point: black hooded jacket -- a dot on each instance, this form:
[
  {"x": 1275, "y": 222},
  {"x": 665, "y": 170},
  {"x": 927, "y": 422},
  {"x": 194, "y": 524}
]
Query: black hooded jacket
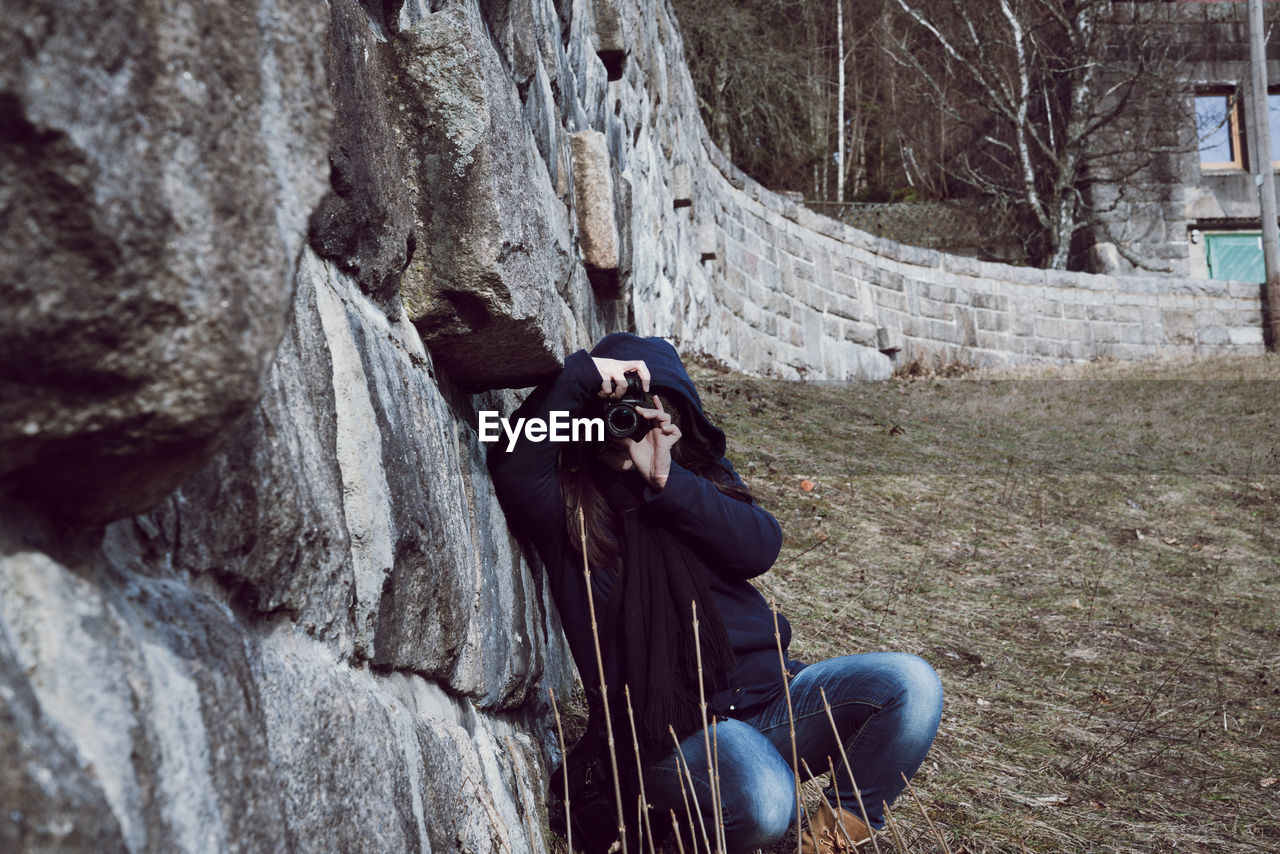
[{"x": 736, "y": 540}]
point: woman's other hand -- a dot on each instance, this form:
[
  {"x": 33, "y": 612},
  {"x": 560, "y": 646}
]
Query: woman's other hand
[
  {"x": 613, "y": 376},
  {"x": 652, "y": 454}
]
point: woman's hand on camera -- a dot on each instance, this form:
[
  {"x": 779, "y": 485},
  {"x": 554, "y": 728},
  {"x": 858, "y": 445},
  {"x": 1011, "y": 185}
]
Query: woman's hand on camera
[
  {"x": 613, "y": 376},
  {"x": 652, "y": 454}
]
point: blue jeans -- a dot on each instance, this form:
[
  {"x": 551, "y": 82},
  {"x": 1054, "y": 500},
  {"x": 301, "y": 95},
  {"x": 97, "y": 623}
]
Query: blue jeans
[{"x": 886, "y": 707}]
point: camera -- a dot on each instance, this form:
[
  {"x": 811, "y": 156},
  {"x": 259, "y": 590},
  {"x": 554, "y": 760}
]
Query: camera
[{"x": 621, "y": 420}]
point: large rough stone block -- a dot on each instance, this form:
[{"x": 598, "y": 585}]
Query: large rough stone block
[
  {"x": 682, "y": 185},
  {"x": 888, "y": 339},
  {"x": 51, "y": 800},
  {"x": 610, "y": 40},
  {"x": 347, "y": 501},
  {"x": 341, "y": 754},
  {"x": 484, "y": 284},
  {"x": 156, "y": 189},
  {"x": 436, "y": 585},
  {"x": 1179, "y": 326},
  {"x": 265, "y": 516},
  {"x": 595, "y": 204},
  {"x": 149, "y": 683},
  {"x": 708, "y": 240},
  {"x": 365, "y": 221},
  {"x": 527, "y": 34},
  {"x": 140, "y": 713},
  {"x": 1247, "y": 337}
]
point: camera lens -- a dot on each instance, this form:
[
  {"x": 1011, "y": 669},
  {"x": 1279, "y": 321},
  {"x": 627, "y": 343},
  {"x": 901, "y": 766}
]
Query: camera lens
[{"x": 621, "y": 421}]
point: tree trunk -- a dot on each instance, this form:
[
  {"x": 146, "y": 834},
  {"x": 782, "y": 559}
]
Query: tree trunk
[{"x": 722, "y": 113}]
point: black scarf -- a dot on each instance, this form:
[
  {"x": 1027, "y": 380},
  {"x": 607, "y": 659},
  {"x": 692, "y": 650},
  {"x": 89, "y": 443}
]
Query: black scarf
[{"x": 659, "y": 577}]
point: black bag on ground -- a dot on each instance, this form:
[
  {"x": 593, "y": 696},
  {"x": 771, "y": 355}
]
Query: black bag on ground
[{"x": 591, "y": 806}]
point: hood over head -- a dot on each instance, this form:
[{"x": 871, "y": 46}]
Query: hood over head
[{"x": 666, "y": 372}]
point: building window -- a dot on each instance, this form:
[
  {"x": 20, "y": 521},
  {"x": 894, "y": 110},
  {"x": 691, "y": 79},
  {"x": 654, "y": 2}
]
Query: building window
[{"x": 1218, "y": 126}]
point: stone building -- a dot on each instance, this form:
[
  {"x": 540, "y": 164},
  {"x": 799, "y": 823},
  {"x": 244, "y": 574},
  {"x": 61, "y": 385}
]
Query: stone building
[{"x": 1195, "y": 212}]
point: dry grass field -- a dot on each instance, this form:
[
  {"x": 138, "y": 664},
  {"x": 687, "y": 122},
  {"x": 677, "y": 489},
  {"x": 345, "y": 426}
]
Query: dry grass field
[{"x": 1088, "y": 556}]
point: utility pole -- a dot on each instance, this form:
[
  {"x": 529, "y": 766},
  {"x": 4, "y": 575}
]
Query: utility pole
[
  {"x": 840, "y": 97},
  {"x": 1266, "y": 183}
]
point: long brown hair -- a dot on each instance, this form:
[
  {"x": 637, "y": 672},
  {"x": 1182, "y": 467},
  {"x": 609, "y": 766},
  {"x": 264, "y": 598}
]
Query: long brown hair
[{"x": 579, "y": 464}]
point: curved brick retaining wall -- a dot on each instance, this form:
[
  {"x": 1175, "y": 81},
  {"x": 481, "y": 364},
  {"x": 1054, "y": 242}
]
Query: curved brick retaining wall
[{"x": 799, "y": 294}]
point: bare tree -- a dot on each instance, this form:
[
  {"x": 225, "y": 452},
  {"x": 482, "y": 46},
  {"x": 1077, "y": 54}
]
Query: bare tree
[
  {"x": 769, "y": 78},
  {"x": 753, "y": 66},
  {"x": 1043, "y": 96}
]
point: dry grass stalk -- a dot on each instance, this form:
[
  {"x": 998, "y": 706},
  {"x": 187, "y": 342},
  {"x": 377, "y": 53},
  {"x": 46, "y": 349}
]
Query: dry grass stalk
[
  {"x": 688, "y": 810},
  {"x": 675, "y": 828},
  {"x": 831, "y": 767},
  {"x": 564, "y": 765},
  {"x": 932, "y": 827},
  {"x": 693, "y": 795},
  {"x": 1127, "y": 731},
  {"x": 494, "y": 818},
  {"x": 840, "y": 824},
  {"x": 898, "y": 841},
  {"x": 715, "y": 777},
  {"x": 640, "y": 823},
  {"x": 604, "y": 689},
  {"x": 706, "y": 736},
  {"x": 635, "y": 741},
  {"x": 518, "y": 775},
  {"x": 791, "y": 719},
  {"x": 845, "y": 757}
]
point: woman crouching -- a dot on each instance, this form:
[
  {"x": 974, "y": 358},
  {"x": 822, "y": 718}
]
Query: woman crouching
[{"x": 671, "y": 531}]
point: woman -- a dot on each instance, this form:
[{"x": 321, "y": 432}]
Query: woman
[{"x": 668, "y": 526}]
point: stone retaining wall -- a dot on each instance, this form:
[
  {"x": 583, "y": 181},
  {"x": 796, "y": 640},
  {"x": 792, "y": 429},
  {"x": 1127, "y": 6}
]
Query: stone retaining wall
[
  {"x": 726, "y": 267},
  {"x": 794, "y": 289}
]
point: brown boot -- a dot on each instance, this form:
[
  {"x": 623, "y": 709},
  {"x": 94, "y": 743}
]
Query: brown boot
[{"x": 825, "y": 837}]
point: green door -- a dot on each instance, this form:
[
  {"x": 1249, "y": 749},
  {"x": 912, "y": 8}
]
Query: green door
[{"x": 1236, "y": 256}]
